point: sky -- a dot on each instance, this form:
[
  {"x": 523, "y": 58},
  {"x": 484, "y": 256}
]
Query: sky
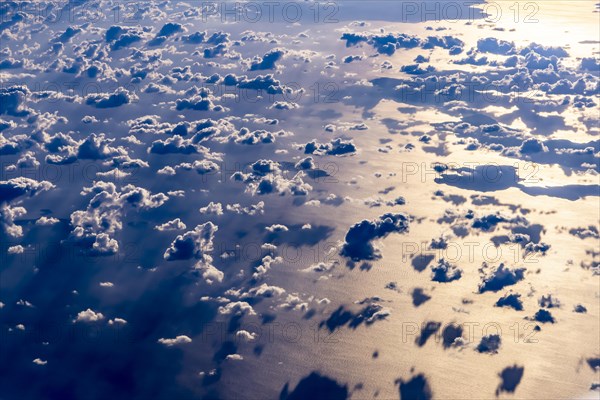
[{"x": 299, "y": 199}]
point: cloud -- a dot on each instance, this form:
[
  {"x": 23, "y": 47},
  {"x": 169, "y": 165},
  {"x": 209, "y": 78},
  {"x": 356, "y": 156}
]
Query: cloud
[
  {"x": 96, "y": 147},
  {"x": 266, "y": 177},
  {"x": 496, "y": 46},
  {"x": 336, "y": 147},
  {"x": 253, "y": 209},
  {"x": 268, "y": 60},
  {"x": 119, "y": 97},
  {"x": 89, "y": 316},
  {"x": 173, "y": 225},
  {"x": 14, "y": 190},
  {"x": 12, "y": 99},
  {"x": 170, "y": 29},
  {"x": 512, "y": 300},
  {"x": 119, "y": 37},
  {"x": 419, "y": 297},
  {"x": 237, "y": 308},
  {"x": 265, "y": 290},
  {"x": 202, "y": 167},
  {"x": 358, "y": 246},
  {"x": 245, "y": 335},
  {"x": 388, "y": 43},
  {"x": 549, "y": 301},
  {"x": 321, "y": 267},
  {"x": 212, "y": 209},
  {"x": 445, "y": 272},
  {"x": 532, "y": 145},
  {"x": 181, "y": 339},
  {"x": 18, "y": 249},
  {"x": 265, "y": 265},
  {"x": 259, "y": 136},
  {"x": 590, "y": 231},
  {"x": 489, "y": 344},
  {"x": 173, "y": 145},
  {"x": 543, "y": 316},
  {"x": 277, "y": 228},
  {"x": 209, "y": 272},
  {"x": 93, "y": 226},
  {"x": 201, "y": 100},
  {"x": 192, "y": 244},
  {"x": 371, "y": 312},
  {"x": 496, "y": 278},
  {"x": 22, "y": 187},
  {"x": 194, "y": 38}
]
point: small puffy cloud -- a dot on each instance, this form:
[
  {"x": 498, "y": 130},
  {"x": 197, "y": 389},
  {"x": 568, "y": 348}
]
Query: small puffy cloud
[
  {"x": 104, "y": 245},
  {"x": 237, "y": 308},
  {"x": 512, "y": 300},
  {"x": 585, "y": 232},
  {"x": 194, "y": 38},
  {"x": 549, "y": 301},
  {"x": 532, "y": 145},
  {"x": 118, "y": 98},
  {"x": 358, "y": 241},
  {"x": 167, "y": 170},
  {"x": 18, "y": 249},
  {"x": 173, "y": 145},
  {"x": 305, "y": 163},
  {"x": 202, "y": 167},
  {"x": 267, "y": 177},
  {"x": 444, "y": 272},
  {"x": 277, "y": 228},
  {"x": 46, "y": 221},
  {"x": 265, "y": 290},
  {"x": 245, "y": 335},
  {"x": 89, "y": 315},
  {"x": 8, "y": 216},
  {"x": 495, "y": 278},
  {"x": 489, "y": 344},
  {"x": 254, "y": 209},
  {"x": 284, "y": 105},
  {"x": 336, "y": 147},
  {"x": 173, "y": 225},
  {"x": 181, "y": 339},
  {"x": 495, "y": 46},
  {"x": 212, "y": 209},
  {"x": 192, "y": 244},
  {"x": 267, "y": 61},
  {"x": 321, "y": 267},
  {"x": 265, "y": 265}
]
